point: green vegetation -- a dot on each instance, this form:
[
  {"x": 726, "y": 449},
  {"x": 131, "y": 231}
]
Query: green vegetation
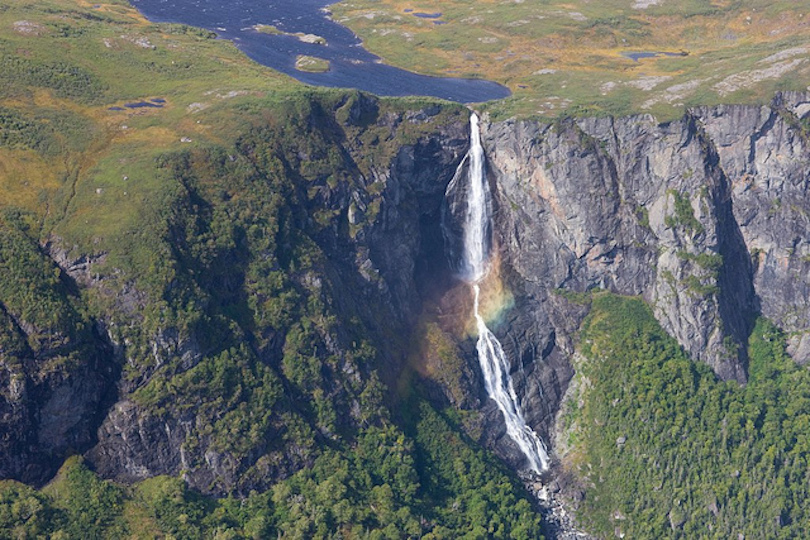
[
  {"x": 670, "y": 451},
  {"x": 50, "y": 132},
  {"x": 75, "y": 505},
  {"x": 566, "y": 57},
  {"x": 34, "y": 293},
  {"x": 268, "y": 29},
  {"x": 275, "y": 31},
  {"x": 65, "y": 63},
  {"x": 707, "y": 261},
  {"x": 311, "y": 64},
  {"x": 388, "y": 485},
  {"x": 65, "y": 80},
  {"x": 215, "y": 256},
  {"x": 226, "y": 260},
  {"x": 210, "y": 252},
  {"x": 471, "y": 494},
  {"x": 684, "y": 214},
  {"x": 697, "y": 287}
]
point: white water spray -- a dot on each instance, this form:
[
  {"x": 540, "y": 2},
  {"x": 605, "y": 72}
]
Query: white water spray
[
  {"x": 477, "y": 216},
  {"x": 494, "y": 364}
]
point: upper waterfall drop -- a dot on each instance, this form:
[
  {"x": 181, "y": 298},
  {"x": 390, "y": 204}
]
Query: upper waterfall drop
[
  {"x": 476, "y": 225},
  {"x": 474, "y": 267}
]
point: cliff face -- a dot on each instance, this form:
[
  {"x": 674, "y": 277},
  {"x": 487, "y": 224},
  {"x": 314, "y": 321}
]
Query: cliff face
[
  {"x": 706, "y": 218},
  {"x": 289, "y": 276},
  {"x": 764, "y": 154},
  {"x": 56, "y": 370},
  {"x": 307, "y": 264}
]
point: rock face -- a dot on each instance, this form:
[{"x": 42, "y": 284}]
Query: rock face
[
  {"x": 57, "y": 370},
  {"x": 706, "y": 218},
  {"x": 764, "y": 154},
  {"x": 46, "y": 415}
]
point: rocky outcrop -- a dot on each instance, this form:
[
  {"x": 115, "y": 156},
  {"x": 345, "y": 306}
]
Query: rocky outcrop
[
  {"x": 48, "y": 414},
  {"x": 765, "y": 154},
  {"x": 57, "y": 370}
]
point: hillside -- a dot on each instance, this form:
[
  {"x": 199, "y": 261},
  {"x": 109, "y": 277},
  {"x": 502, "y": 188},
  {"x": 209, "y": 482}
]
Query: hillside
[{"x": 185, "y": 304}]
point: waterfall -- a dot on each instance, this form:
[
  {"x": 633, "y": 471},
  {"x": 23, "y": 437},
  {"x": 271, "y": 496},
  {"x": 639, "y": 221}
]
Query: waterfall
[
  {"x": 476, "y": 222},
  {"x": 474, "y": 262},
  {"x": 495, "y": 368}
]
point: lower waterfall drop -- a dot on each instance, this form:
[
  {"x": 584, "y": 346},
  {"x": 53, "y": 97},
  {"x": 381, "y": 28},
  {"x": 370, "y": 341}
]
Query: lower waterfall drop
[{"x": 491, "y": 357}]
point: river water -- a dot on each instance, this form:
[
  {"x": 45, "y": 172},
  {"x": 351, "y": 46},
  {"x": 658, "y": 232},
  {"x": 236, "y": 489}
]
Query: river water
[{"x": 351, "y": 66}]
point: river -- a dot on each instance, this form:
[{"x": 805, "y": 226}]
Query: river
[{"x": 351, "y": 65}]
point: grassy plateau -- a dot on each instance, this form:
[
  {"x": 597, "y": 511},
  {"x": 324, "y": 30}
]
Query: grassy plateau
[
  {"x": 572, "y": 56},
  {"x": 74, "y": 150}
]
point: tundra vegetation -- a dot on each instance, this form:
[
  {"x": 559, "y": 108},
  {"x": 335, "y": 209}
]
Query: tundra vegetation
[{"x": 572, "y": 57}]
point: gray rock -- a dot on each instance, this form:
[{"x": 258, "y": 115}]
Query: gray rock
[{"x": 707, "y": 218}]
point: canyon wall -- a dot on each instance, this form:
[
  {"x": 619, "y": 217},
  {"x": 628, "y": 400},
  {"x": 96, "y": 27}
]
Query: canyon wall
[{"x": 707, "y": 218}]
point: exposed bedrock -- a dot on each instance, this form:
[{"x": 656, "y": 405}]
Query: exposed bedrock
[{"x": 707, "y": 218}]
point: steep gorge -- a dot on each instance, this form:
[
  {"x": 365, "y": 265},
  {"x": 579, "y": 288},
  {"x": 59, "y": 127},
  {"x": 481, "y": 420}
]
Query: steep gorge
[{"x": 300, "y": 283}]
